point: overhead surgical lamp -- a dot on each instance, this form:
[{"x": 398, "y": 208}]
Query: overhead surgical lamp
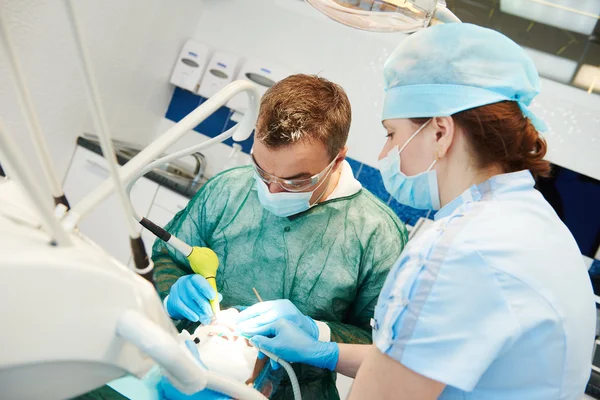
[{"x": 386, "y": 15}]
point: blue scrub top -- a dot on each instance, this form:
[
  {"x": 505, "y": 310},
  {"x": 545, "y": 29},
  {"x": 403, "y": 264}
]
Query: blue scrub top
[{"x": 494, "y": 300}]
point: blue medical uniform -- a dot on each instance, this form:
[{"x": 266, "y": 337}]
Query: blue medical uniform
[{"x": 494, "y": 300}]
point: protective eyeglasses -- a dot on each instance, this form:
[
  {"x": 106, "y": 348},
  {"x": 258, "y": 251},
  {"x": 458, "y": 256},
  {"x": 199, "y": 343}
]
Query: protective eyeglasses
[{"x": 291, "y": 185}]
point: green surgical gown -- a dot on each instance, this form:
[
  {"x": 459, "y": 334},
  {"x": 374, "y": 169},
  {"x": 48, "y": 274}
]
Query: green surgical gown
[{"x": 330, "y": 261}]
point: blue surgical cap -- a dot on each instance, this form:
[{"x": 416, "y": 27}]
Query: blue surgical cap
[{"x": 449, "y": 68}]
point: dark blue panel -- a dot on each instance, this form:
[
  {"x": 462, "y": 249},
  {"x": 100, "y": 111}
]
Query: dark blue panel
[
  {"x": 408, "y": 215},
  {"x": 246, "y": 144},
  {"x": 355, "y": 165},
  {"x": 184, "y": 102},
  {"x": 595, "y": 277},
  {"x": 215, "y": 124},
  {"x": 595, "y": 268},
  {"x": 578, "y": 208},
  {"x": 371, "y": 180}
]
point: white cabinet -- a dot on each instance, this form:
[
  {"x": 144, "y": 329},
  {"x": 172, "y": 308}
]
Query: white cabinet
[
  {"x": 170, "y": 201},
  {"x": 106, "y": 223}
]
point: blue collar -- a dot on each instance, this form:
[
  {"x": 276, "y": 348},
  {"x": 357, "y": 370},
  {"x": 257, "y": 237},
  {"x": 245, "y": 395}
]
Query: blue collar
[{"x": 496, "y": 185}]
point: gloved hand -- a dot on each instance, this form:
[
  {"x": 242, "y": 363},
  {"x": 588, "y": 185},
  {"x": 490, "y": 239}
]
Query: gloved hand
[
  {"x": 267, "y": 312},
  {"x": 170, "y": 392},
  {"x": 189, "y": 299},
  {"x": 292, "y": 344}
]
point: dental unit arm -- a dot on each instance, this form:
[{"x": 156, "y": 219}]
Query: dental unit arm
[
  {"x": 203, "y": 261},
  {"x": 77, "y": 318}
]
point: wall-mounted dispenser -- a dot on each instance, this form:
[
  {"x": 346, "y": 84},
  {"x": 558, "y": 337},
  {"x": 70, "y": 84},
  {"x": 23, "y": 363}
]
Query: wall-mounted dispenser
[
  {"x": 190, "y": 65},
  {"x": 263, "y": 74},
  {"x": 219, "y": 72}
]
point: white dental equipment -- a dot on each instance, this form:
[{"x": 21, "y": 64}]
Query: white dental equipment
[{"x": 73, "y": 317}]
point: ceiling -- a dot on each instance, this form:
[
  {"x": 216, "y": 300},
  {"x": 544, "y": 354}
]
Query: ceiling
[{"x": 560, "y": 52}]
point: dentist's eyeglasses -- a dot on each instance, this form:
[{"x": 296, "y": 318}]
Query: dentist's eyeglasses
[{"x": 292, "y": 185}]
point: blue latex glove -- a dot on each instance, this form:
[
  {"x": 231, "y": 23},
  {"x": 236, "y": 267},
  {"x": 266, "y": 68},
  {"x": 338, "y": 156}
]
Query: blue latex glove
[
  {"x": 267, "y": 312},
  {"x": 287, "y": 341},
  {"x": 169, "y": 392},
  {"x": 189, "y": 299}
]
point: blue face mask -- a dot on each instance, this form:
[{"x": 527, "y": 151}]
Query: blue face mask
[
  {"x": 285, "y": 204},
  {"x": 417, "y": 191}
]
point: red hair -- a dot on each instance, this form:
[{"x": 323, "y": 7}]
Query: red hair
[{"x": 499, "y": 134}]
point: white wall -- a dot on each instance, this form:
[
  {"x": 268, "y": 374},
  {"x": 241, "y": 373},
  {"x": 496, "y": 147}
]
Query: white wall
[
  {"x": 133, "y": 45},
  {"x": 291, "y": 33}
]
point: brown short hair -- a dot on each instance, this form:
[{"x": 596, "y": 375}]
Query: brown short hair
[
  {"x": 304, "y": 107},
  {"x": 499, "y": 134}
]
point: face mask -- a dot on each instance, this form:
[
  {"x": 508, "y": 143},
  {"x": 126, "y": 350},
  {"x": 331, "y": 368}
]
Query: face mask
[
  {"x": 417, "y": 191},
  {"x": 284, "y": 204}
]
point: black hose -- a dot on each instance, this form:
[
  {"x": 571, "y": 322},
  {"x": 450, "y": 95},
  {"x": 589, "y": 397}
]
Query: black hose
[
  {"x": 140, "y": 257},
  {"x": 62, "y": 200}
]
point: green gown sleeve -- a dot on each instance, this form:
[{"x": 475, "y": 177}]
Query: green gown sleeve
[{"x": 382, "y": 252}]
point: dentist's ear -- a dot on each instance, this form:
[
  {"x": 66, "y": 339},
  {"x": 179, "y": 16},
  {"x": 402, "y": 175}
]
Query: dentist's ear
[
  {"x": 340, "y": 158},
  {"x": 445, "y": 132}
]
